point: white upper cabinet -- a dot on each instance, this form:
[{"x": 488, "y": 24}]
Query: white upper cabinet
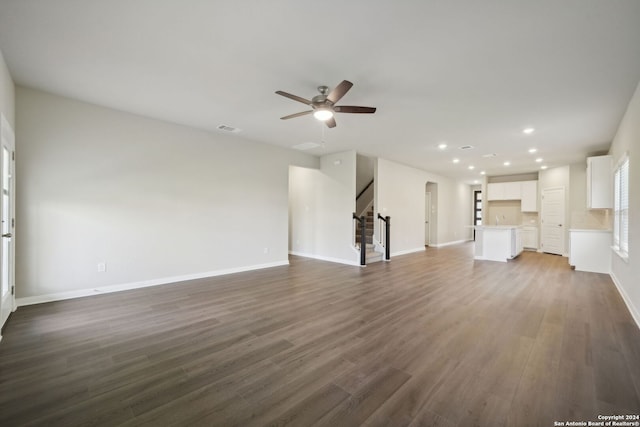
[
  {"x": 512, "y": 191},
  {"x": 504, "y": 191},
  {"x": 525, "y": 191},
  {"x": 495, "y": 191},
  {"x": 529, "y": 201},
  {"x": 599, "y": 182}
]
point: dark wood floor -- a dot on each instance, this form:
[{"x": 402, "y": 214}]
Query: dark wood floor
[{"x": 429, "y": 339}]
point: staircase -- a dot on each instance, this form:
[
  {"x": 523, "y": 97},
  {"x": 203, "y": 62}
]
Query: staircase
[{"x": 372, "y": 254}]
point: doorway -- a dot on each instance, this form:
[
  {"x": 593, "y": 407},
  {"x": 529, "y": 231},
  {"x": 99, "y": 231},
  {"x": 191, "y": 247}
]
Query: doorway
[
  {"x": 431, "y": 214},
  {"x": 7, "y": 160},
  {"x": 427, "y": 218},
  {"x": 552, "y": 236}
]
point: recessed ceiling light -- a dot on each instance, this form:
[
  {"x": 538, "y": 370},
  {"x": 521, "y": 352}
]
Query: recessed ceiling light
[
  {"x": 533, "y": 150},
  {"x": 483, "y": 173},
  {"x": 471, "y": 167},
  {"x": 476, "y": 181},
  {"x": 442, "y": 146},
  {"x": 543, "y": 167},
  {"x": 506, "y": 163},
  {"x": 456, "y": 160},
  {"x": 539, "y": 160},
  {"x": 528, "y": 131}
]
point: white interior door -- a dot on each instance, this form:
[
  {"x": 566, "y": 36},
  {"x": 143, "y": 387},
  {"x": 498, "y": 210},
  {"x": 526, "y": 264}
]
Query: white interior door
[
  {"x": 427, "y": 219},
  {"x": 7, "y": 156},
  {"x": 552, "y": 237}
]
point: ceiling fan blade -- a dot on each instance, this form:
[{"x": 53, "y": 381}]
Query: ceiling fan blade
[
  {"x": 294, "y": 97},
  {"x": 331, "y": 123},
  {"x": 354, "y": 109},
  {"x": 291, "y": 116},
  {"x": 339, "y": 91}
]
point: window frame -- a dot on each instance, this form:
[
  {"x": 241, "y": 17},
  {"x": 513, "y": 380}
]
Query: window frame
[{"x": 621, "y": 208}]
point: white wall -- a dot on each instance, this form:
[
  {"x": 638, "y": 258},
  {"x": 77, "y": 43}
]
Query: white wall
[
  {"x": 154, "y": 200},
  {"x": 364, "y": 171},
  {"x": 364, "y": 175},
  {"x": 321, "y": 204},
  {"x": 7, "y": 93},
  {"x": 400, "y": 193},
  {"x": 627, "y": 140}
]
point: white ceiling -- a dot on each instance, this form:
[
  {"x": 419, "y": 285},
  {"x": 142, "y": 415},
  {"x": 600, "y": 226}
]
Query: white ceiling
[{"x": 465, "y": 72}]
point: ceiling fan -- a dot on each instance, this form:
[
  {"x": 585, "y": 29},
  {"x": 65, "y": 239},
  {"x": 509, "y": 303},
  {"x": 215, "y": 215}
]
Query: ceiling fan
[{"x": 323, "y": 105}]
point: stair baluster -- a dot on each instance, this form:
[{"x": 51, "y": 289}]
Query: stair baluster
[{"x": 363, "y": 238}]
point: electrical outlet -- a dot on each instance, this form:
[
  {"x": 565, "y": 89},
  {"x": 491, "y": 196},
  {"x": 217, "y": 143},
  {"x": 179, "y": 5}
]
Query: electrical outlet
[
  {"x": 266, "y": 250},
  {"x": 102, "y": 267}
]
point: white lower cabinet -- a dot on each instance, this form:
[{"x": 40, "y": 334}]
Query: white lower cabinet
[
  {"x": 498, "y": 243},
  {"x": 590, "y": 250},
  {"x": 530, "y": 237}
]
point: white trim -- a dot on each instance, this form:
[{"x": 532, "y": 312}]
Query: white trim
[
  {"x": 326, "y": 258},
  {"x": 455, "y": 242},
  {"x": 39, "y": 299},
  {"x": 624, "y": 256},
  {"x": 409, "y": 251},
  {"x": 634, "y": 312},
  {"x": 377, "y": 246}
]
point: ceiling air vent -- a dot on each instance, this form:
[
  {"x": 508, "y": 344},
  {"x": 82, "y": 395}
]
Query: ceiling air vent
[
  {"x": 466, "y": 147},
  {"x": 306, "y": 146},
  {"x": 489, "y": 155},
  {"x": 228, "y": 128}
]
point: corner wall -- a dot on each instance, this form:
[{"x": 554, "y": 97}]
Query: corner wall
[
  {"x": 157, "y": 202},
  {"x": 7, "y": 93},
  {"x": 400, "y": 193},
  {"x": 321, "y": 204}
]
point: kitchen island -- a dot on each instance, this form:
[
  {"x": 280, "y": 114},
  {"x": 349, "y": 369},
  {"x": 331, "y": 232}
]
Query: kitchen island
[{"x": 497, "y": 242}]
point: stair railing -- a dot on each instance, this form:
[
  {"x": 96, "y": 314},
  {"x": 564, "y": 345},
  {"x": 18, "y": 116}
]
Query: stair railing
[
  {"x": 364, "y": 189},
  {"x": 385, "y": 239},
  {"x": 363, "y": 237}
]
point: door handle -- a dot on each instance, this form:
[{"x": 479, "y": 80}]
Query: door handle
[{"x": 8, "y": 235}]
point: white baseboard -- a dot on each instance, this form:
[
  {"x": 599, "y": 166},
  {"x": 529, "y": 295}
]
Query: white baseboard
[
  {"x": 455, "y": 242},
  {"x": 325, "y": 258},
  {"x": 632, "y": 309},
  {"x": 59, "y": 296},
  {"x": 408, "y": 251}
]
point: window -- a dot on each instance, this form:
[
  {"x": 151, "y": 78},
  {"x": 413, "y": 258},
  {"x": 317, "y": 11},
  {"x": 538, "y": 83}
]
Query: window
[
  {"x": 621, "y": 208},
  {"x": 477, "y": 210},
  {"x": 477, "y": 207}
]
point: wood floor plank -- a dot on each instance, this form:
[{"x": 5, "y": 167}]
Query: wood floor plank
[
  {"x": 359, "y": 406},
  {"x": 431, "y": 338}
]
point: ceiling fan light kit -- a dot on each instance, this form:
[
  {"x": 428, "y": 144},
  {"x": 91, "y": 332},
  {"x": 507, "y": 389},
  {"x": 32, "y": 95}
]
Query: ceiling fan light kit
[
  {"x": 323, "y": 114},
  {"x": 323, "y": 105}
]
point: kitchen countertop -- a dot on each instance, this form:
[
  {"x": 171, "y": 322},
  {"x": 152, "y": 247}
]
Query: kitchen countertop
[
  {"x": 591, "y": 230},
  {"x": 497, "y": 227}
]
